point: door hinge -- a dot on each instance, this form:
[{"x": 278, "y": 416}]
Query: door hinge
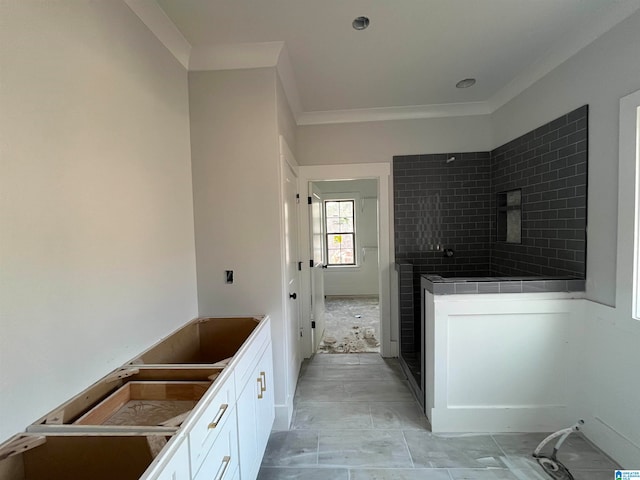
[
  {"x": 309, "y": 201},
  {"x": 313, "y": 324},
  {"x": 311, "y": 263},
  {"x": 297, "y": 198},
  {"x": 299, "y": 266}
]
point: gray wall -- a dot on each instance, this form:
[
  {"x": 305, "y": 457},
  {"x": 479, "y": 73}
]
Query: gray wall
[{"x": 97, "y": 257}]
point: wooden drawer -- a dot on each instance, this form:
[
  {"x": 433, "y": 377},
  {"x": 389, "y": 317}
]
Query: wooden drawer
[
  {"x": 203, "y": 341},
  {"x": 72, "y": 415},
  {"x": 205, "y": 426},
  {"x": 221, "y": 461},
  {"x": 98, "y": 457}
]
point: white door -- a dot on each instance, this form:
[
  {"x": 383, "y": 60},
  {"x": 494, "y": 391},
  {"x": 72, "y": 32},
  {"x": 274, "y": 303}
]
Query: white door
[
  {"x": 319, "y": 263},
  {"x": 293, "y": 329}
]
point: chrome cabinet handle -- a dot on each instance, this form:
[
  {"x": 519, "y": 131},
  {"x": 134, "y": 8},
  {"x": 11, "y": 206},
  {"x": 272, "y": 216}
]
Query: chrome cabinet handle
[
  {"x": 223, "y": 467},
  {"x": 264, "y": 381},
  {"x": 260, "y": 387},
  {"x": 218, "y": 417}
]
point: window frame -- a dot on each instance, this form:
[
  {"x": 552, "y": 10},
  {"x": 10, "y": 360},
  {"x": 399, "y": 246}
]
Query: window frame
[{"x": 340, "y": 199}]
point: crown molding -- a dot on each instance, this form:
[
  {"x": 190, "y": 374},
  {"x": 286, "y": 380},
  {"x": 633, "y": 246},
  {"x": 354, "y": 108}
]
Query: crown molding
[
  {"x": 394, "y": 113},
  {"x": 163, "y": 28},
  {"x": 570, "y": 44},
  {"x": 274, "y": 54},
  {"x": 235, "y": 56}
]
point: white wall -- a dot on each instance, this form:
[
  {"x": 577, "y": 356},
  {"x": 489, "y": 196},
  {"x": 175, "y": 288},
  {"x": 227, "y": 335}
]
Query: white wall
[
  {"x": 234, "y": 142},
  {"x": 374, "y": 142},
  {"x": 599, "y": 75},
  {"x": 605, "y": 379},
  {"x": 363, "y": 278},
  {"x": 97, "y": 256}
]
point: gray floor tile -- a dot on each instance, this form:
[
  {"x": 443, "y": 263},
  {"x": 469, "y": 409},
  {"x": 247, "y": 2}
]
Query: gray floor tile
[
  {"x": 391, "y": 390},
  {"x": 358, "y": 373},
  {"x": 398, "y": 415},
  {"x": 320, "y": 391},
  {"x": 484, "y": 474},
  {"x": 399, "y": 474},
  {"x": 370, "y": 358},
  {"x": 593, "y": 474},
  {"x": 575, "y": 453},
  {"x": 453, "y": 451},
  {"x": 331, "y": 415},
  {"x": 291, "y": 448},
  {"x": 335, "y": 359},
  {"x": 367, "y": 448},
  {"x": 270, "y": 473}
]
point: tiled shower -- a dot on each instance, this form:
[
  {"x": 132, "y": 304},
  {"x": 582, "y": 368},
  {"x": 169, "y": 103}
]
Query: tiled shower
[{"x": 447, "y": 216}]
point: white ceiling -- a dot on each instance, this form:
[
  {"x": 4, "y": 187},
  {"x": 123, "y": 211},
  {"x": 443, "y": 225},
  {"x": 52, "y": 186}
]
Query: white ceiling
[{"x": 412, "y": 54}]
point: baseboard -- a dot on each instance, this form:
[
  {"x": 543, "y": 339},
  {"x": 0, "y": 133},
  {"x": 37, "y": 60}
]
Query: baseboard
[
  {"x": 615, "y": 444},
  {"x": 498, "y": 419},
  {"x": 284, "y": 415}
]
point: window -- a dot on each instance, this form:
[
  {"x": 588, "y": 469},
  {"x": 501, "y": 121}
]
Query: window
[{"x": 340, "y": 231}]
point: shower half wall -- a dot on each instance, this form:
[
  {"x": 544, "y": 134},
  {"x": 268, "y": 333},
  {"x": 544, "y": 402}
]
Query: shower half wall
[{"x": 446, "y": 203}]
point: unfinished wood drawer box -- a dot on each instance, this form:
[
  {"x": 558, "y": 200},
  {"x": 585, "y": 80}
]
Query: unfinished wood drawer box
[
  {"x": 159, "y": 384},
  {"x": 204, "y": 341},
  {"x": 146, "y": 404},
  {"x": 95, "y": 457}
]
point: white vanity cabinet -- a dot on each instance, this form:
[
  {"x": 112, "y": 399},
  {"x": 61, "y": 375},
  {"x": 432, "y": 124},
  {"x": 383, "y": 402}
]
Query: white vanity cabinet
[{"x": 220, "y": 435}]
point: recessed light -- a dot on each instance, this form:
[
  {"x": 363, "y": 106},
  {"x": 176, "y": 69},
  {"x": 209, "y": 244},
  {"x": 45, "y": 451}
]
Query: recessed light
[
  {"x": 360, "y": 23},
  {"x": 466, "y": 83}
]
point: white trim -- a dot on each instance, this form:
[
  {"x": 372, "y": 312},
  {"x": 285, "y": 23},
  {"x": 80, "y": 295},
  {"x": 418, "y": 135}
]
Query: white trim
[
  {"x": 236, "y": 56},
  {"x": 628, "y": 284},
  {"x": 393, "y": 113},
  {"x": 381, "y": 172},
  {"x": 273, "y": 54},
  {"x": 163, "y": 28},
  {"x": 574, "y": 41}
]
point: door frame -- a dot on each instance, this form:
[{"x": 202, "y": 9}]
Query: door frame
[{"x": 386, "y": 257}]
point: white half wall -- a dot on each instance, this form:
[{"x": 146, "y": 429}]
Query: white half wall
[{"x": 97, "y": 257}]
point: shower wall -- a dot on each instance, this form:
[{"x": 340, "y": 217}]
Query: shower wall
[
  {"x": 440, "y": 205},
  {"x": 447, "y": 201}
]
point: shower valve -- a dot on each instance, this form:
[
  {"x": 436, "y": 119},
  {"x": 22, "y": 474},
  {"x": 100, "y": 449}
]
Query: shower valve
[{"x": 448, "y": 252}]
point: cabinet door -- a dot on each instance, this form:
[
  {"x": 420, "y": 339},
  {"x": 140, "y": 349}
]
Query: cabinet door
[
  {"x": 256, "y": 413},
  {"x": 265, "y": 410}
]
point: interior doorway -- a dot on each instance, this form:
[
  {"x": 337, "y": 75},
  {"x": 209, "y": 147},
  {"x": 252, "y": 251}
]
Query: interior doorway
[
  {"x": 348, "y": 237},
  {"x": 379, "y": 176}
]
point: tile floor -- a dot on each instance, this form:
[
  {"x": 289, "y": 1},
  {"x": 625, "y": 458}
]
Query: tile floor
[{"x": 355, "y": 419}]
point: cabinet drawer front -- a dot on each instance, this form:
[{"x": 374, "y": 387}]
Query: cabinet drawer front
[
  {"x": 218, "y": 413},
  {"x": 220, "y": 462},
  {"x": 250, "y": 353},
  {"x": 173, "y": 465}
]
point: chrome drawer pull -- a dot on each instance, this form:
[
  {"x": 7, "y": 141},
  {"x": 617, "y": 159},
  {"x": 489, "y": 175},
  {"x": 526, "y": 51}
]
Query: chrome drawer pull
[
  {"x": 223, "y": 467},
  {"x": 218, "y": 417},
  {"x": 264, "y": 381},
  {"x": 260, "y": 387}
]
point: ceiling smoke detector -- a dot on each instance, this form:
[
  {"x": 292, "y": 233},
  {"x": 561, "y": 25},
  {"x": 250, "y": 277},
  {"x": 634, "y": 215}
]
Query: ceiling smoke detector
[
  {"x": 360, "y": 23},
  {"x": 466, "y": 83}
]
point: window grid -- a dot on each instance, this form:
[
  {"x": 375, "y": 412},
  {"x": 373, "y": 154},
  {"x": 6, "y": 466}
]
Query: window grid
[{"x": 340, "y": 232}]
